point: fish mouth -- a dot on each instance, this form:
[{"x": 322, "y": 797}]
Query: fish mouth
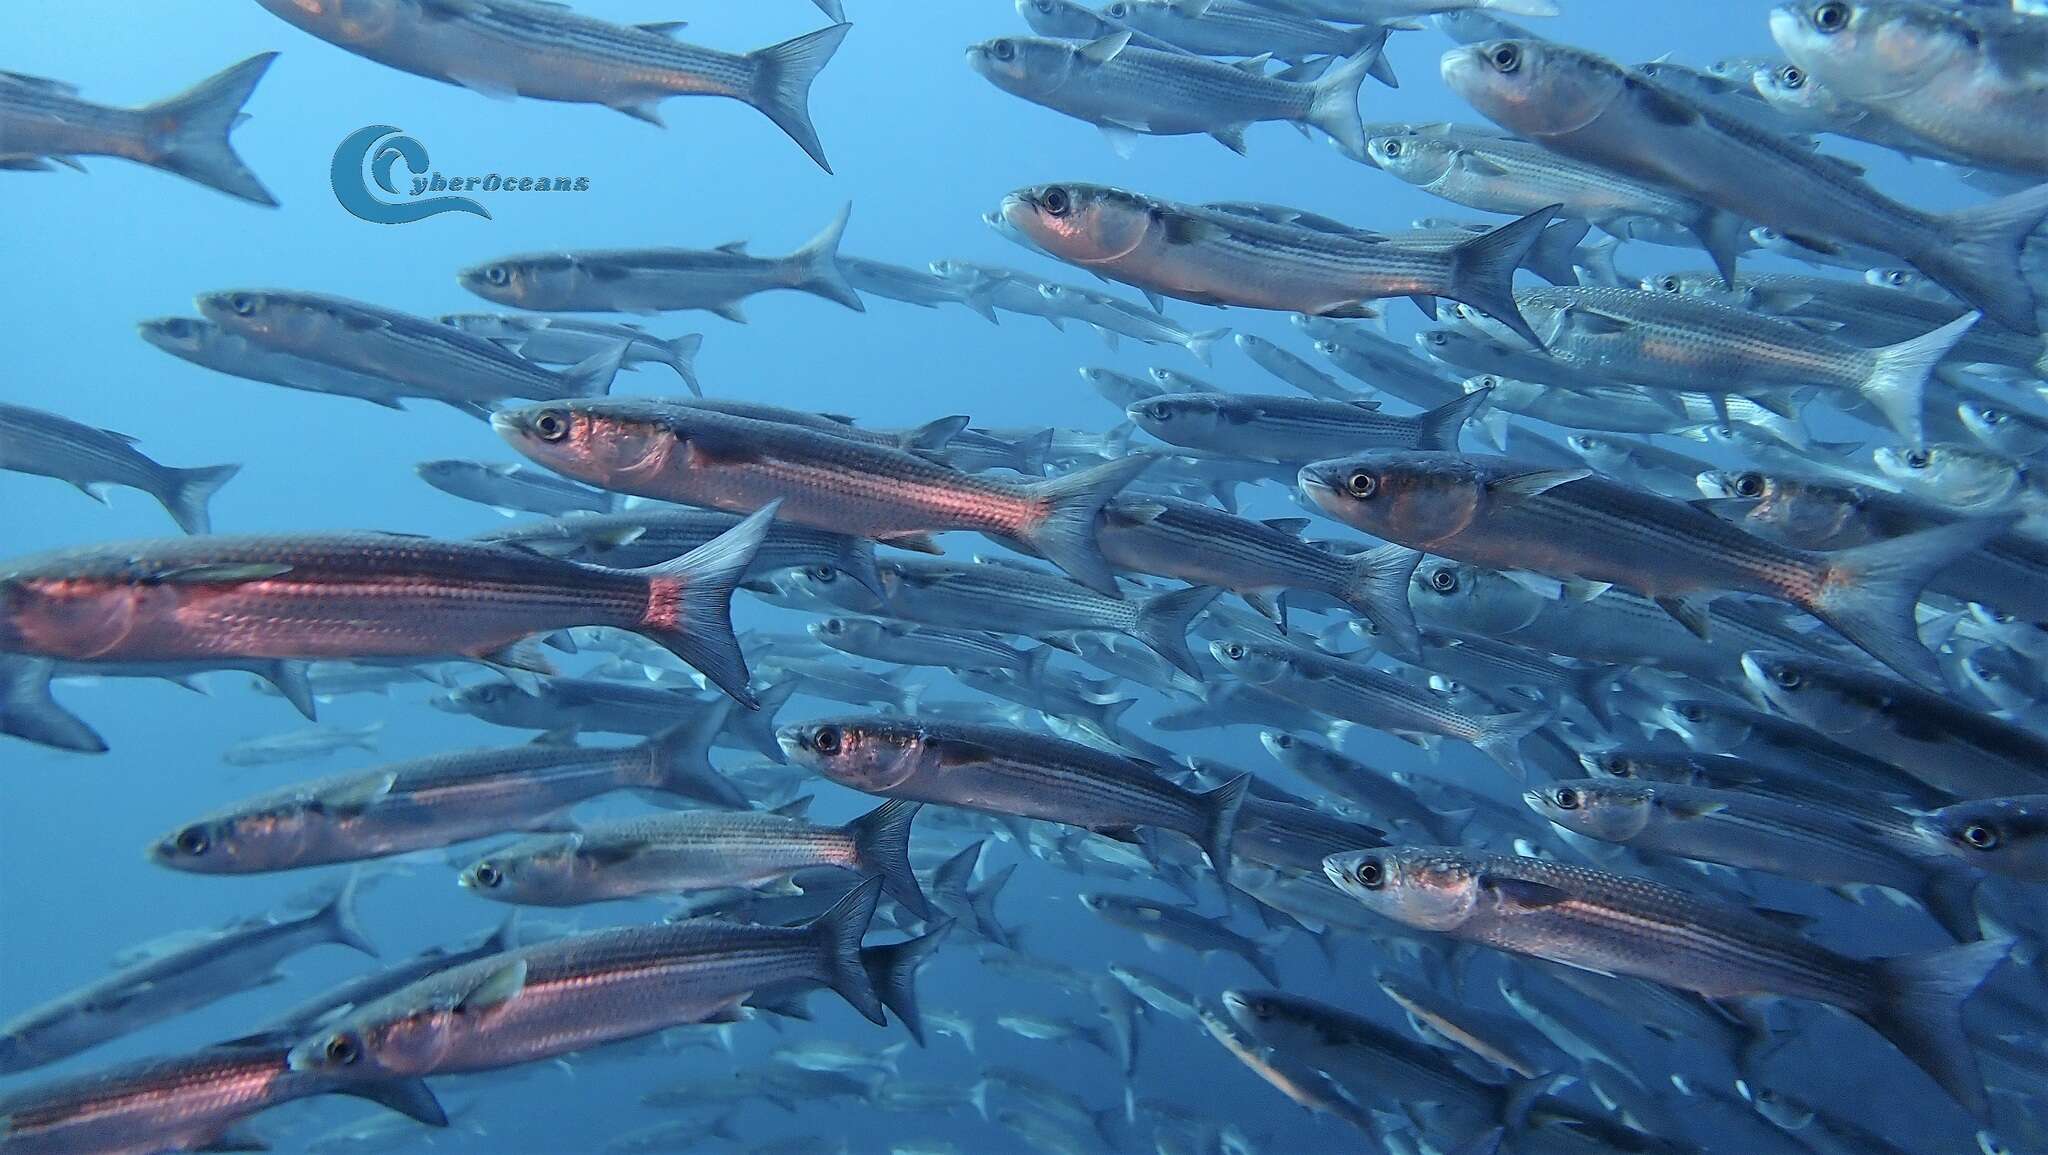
[
  {"x": 506, "y": 425},
  {"x": 1459, "y": 63}
]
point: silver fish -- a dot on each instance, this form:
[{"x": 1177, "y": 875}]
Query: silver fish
[{"x": 96, "y": 460}]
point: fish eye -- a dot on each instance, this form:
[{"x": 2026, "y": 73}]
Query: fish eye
[
  {"x": 1370, "y": 874},
  {"x": 341, "y": 1050},
  {"x": 1043, "y": 6},
  {"x": 1897, "y": 278},
  {"x": 1668, "y": 283},
  {"x": 1284, "y": 741},
  {"x": 1118, "y": 11},
  {"x": 2001, "y": 617},
  {"x": 551, "y": 425},
  {"x": 1234, "y": 651},
  {"x": 834, "y": 626},
  {"x": 1162, "y": 412},
  {"x": 1439, "y": 337},
  {"x": 827, "y": 740},
  {"x": 243, "y": 304},
  {"x": 1915, "y": 458},
  {"x": 1505, "y": 58},
  {"x": 1981, "y": 835},
  {"x": 1391, "y": 148},
  {"x": 1749, "y": 484},
  {"x": 1832, "y": 16},
  {"x": 487, "y": 876},
  {"x": 1489, "y": 382},
  {"x": 1791, "y": 76},
  {"x": 1787, "y": 678},
  {"x": 1692, "y": 713},
  {"x": 1056, "y": 202},
  {"x": 1566, "y": 798},
  {"x": 1443, "y": 581},
  {"x": 1992, "y": 416},
  {"x": 192, "y": 840},
  {"x": 823, "y": 574},
  {"x": 1618, "y": 766},
  {"x": 1003, "y": 50},
  {"x": 498, "y": 275},
  {"x": 1361, "y": 484}
]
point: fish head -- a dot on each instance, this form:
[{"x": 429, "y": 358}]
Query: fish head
[
  {"x": 1808, "y": 690},
  {"x": 1695, "y": 283},
  {"x": 534, "y": 282},
  {"x": 1182, "y": 418},
  {"x": 1534, "y": 87},
  {"x": 280, "y": 320},
  {"x": 77, "y": 617},
  {"x": 1063, "y": 18},
  {"x": 1082, "y": 223},
  {"x": 1248, "y": 659},
  {"x": 1782, "y": 1109},
  {"x": 180, "y": 336},
  {"x": 1998, "y": 429},
  {"x": 1702, "y": 725},
  {"x": 1428, "y": 888},
  {"x": 601, "y": 442},
  {"x": 1871, "y": 50},
  {"x": 346, "y": 22},
  {"x": 502, "y": 702},
  {"x": 1791, "y": 89},
  {"x": 1417, "y": 158},
  {"x": 1505, "y": 392},
  {"x": 393, "y": 1037},
  {"x": 1471, "y": 598},
  {"x": 1413, "y": 498},
  {"x": 873, "y": 755},
  {"x": 549, "y": 871},
  {"x": 2003, "y": 677},
  {"x": 2006, "y": 835},
  {"x": 1027, "y": 66},
  {"x": 1603, "y": 809},
  {"x": 1957, "y": 474},
  {"x": 269, "y": 837}
]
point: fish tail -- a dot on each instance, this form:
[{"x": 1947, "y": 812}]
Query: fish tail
[
  {"x": 982, "y": 905},
  {"x": 27, "y": 710},
  {"x": 817, "y": 265},
  {"x": 1255, "y": 955},
  {"x": 186, "y": 493},
  {"x": 1519, "y": 1095},
  {"x": 856, "y": 559},
  {"x": 189, "y": 132},
  {"x": 689, "y": 604},
  {"x": 1918, "y": 1006},
  {"x": 757, "y": 726},
  {"x": 1334, "y": 108},
  {"x": 1551, "y": 256},
  {"x": 837, "y": 933},
  {"x": 1163, "y": 622},
  {"x": 782, "y": 84},
  {"x": 681, "y": 355},
  {"x": 1979, "y": 258},
  {"x": 1500, "y": 736},
  {"x": 366, "y": 737},
  {"x": 1950, "y": 898},
  {"x": 679, "y": 760},
  {"x": 338, "y": 918},
  {"x": 951, "y": 878},
  {"x": 1868, "y": 593},
  {"x": 1898, "y": 380},
  {"x": 592, "y": 376},
  {"x": 936, "y": 435},
  {"x": 289, "y": 679},
  {"x": 1064, "y": 533},
  {"x": 1373, "y": 38},
  {"x": 832, "y": 10},
  {"x": 1376, "y": 585},
  {"x": 892, "y": 971},
  {"x": 1198, "y": 345},
  {"x": 1219, "y": 811},
  {"x": 977, "y": 1094},
  {"x": 1483, "y": 270},
  {"x": 881, "y": 846}
]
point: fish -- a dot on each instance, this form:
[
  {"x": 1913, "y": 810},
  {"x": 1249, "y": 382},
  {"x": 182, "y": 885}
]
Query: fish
[
  {"x": 1954, "y": 78},
  {"x": 1377, "y": 793},
  {"x": 97, "y": 460},
  {"x": 653, "y": 535},
  {"x": 1113, "y": 316},
  {"x": 2000, "y": 835},
  {"x": 185, "y": 1102},
  {"x": 513, "y": 488},
  {"x": 697, "y": 850},
  {"x": 1218, "y": 258},
  {"x": 571, "y": 340},
  {"x": 1004, "y": 771},
  {"x": 586, "y": 989},
  {"x": 1491, "y": 1037},
  {"x": 663, "y": 280},
  {"x": 365, "y": 595},
  {"x": 1289, "y": 368},
  {"x": 1160, "y": 993},
  {"x": 297, "y": 745},
  {"x": 441, "y": 800},
  {"x": 1125, "y": 89},
  {"x": 1495, "y": 511},
  {"x": 45, "y": 121},
  {"x": 379, "y": 342},
  {"x": 507, "y": 48},
  {"x": 1296, "y": 430},
  {"x": 1162, "y": 923},
  {"x": 193, "y": 975},
  {"x": 1341, "y": 688},
  {"x": 1601, "y": 921},
  {"x": 213, "y": 347},
  {"x": 1593, "y": 109},
  {"x": 563, "y": 706},
  {"x": 1240, "y": 29},
  {"x": 700, "y": 457},
  {"x": 903, "y": 644}
]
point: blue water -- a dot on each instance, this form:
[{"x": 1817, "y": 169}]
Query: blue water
[{"x": 922, "y": 147}]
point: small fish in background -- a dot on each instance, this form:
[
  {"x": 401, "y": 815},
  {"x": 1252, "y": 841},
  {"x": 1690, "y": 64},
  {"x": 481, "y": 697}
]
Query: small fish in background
[
  {"x": 97, "y": 460},
  {"x": 306, "y": 745}
]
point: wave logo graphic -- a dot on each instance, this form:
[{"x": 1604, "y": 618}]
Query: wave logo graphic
[{"x": 373, "y": 151}]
